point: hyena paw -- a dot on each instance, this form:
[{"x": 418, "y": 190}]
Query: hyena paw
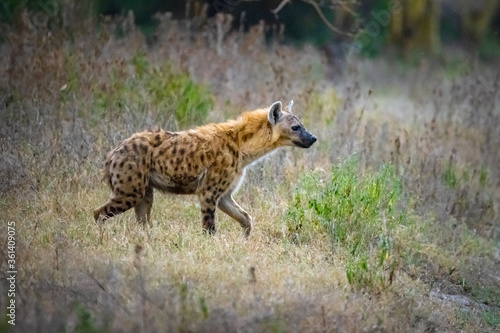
[
  {"x": 247, "y": 228},
  {"x": 97, "y": 214}
]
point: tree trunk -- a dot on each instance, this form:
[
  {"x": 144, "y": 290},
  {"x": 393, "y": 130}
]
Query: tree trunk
[
  {"x": 476, "y": 18},
  {"x": 415, "y": 26}
]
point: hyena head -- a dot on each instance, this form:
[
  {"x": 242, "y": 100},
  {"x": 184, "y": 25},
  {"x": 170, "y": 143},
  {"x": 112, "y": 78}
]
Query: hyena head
[{"x": 288, "y": 130}]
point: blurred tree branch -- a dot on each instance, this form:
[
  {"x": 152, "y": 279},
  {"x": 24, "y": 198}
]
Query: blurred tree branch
[
  {"x": 280, "y": 6},
  {"x": 344, "y": 6}
]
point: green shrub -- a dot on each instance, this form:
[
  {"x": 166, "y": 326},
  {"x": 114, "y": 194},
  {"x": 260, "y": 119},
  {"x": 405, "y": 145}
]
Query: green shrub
[
  {"x": 85, "y": 321},
  {"x": 358, "y": 212},
  {"x": 160, "y": 92}
]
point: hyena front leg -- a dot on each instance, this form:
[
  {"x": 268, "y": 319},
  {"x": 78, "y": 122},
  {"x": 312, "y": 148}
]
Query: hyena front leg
[
  {"x": 143, "y": 208},
  {"x": 231, "y": 208},
  {"x": 208, "y": 205}
]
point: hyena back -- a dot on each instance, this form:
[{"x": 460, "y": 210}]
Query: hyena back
[{"x": 208, "y": 161}]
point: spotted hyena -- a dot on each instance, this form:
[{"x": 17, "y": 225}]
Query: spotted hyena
[{"x": 208, "y": 161}]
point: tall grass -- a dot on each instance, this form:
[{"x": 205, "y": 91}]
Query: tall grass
[
  {"x": 155, "y": 92},
  {"x": 401, "y": 236}
]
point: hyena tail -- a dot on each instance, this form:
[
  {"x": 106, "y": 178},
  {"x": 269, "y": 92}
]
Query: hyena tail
[{"x": 106, "y": 177}]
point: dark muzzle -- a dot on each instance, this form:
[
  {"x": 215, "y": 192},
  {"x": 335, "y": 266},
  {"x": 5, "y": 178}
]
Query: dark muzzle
[{"x": 306, "y": 140}]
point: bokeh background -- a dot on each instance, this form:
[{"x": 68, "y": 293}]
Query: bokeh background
[
  {"x": 389, "y": 223},
  {"x": 409, "y": 26}
]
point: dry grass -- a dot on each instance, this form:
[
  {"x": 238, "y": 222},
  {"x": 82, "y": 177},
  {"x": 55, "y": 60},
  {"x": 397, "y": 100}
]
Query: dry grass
[{"x": 436, "y": 124}]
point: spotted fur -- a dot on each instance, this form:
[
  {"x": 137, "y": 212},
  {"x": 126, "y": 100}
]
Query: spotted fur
[{"x": 208, "y": 161}]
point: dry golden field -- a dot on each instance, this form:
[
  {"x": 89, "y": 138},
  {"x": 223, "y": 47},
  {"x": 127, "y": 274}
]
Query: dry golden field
[{"x": 389, "y": 223}]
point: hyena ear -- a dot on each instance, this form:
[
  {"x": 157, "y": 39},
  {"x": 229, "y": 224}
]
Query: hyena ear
[
  {"x": 274, "y": 113},
  {"x": 289, "y": 106}
]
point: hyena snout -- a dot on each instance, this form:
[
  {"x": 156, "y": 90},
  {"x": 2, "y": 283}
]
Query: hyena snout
[{"x": 305, "y": 139}]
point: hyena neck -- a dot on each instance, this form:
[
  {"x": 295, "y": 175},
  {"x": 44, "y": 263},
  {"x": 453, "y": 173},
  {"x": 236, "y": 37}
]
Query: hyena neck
[
  {"x": 248, "y": 158},
  {"x": 253, "y": 135}
]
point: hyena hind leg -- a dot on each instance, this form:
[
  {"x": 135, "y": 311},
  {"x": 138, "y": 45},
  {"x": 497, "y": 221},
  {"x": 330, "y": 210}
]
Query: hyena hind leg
[
  {"x": 114, "y": 206},
  {"x": 143, "y": 208}
]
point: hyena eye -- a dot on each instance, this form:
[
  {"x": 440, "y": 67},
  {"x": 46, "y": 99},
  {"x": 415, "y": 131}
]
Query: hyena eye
[{"x": 295, "y": 128}]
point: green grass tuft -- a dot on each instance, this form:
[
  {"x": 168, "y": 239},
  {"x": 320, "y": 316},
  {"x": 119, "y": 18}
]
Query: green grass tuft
[
  {"x": 450, "y": 177},
  {"x": 492, "y": 318},
  {"x": 359, "y": 213},
  {"x": 85, "y": 321}
]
